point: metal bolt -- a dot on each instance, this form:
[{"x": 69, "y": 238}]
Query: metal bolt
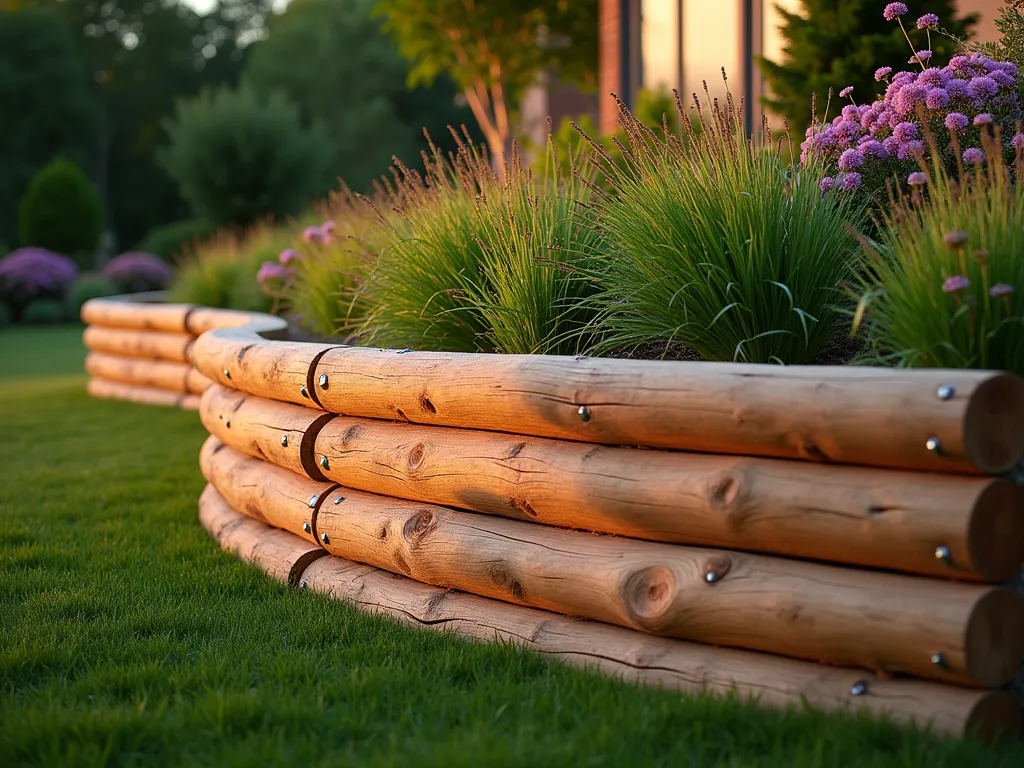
[
  {"x": 934, "y": 445},
  {"x": 325, "y": 538},
  {"x": 942, "y": 553},
  {"x": 313, "y": 500},
  {"x": 584, "y": 413},
  {"x": 307, "y": 528},
  {"x": 227, "y": 374},
  {"x": 946, "y": 392},
  {"x": 303, "y": 392},
  {"x": 284, "y": 441},
  {"x": 324, "y": 463},
  {"x": 302, "y": 584},
  {"x": 403, "y": 351},
  {"x": 859, "y": 688},
  {"x": 710, "y": 577},
  {"x": 339, "y": 500},
  {"x": 322, "y": 381},
  {"x": 939, "y": 661}
]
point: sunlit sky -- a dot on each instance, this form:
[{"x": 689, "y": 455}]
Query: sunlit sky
[{"x": 203, "y": 6}]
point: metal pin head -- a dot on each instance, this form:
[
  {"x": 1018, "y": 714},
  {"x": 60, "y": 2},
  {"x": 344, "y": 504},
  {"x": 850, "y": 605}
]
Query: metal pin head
[
  {"x": 859, "y": 688},
  {"x": 943, "y": 554},
  {"x": 324, "y": 463},
  {"x": 307, "y": 528},
  {"x": 584, "y": 413},
  {"x": 339, "y": 500},
  {"x": 313, "y": 500},
  {"x": 939, "y": 661},
  {"x": 934, "y": 445},
  {"x": 302, "y": 584},
  {"x": 325, "y": 538},
  {"x": 303, "y": 392},
  {"x": 322, "y": 381},
  {"x": 711, "y": 577},
  {"x": 227, "y": 374},
  {"x": 284, "y": 441},
  {"x": 228, "y": 423},
  {"x": 946, "y": 392}
]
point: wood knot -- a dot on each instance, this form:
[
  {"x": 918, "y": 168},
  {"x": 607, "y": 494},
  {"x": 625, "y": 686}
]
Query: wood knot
[
  {"x": 648, "y": 594},
  {"x": 351, "y": 434},
  {"x": 502, "y": 577},
  {"x": 416, "y": 455},
  {"x": 515, "y": 450},
  {"x": 813, "y": 451},
  {"x": 523, "y": 506},
  {"x": 725, "y": 495},
  {"x": 419, "y": 525},
  {"x": 426, "y": 405}
]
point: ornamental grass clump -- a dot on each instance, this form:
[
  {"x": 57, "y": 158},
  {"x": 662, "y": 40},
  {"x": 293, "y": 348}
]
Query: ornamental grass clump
[
  {"x": 869, "y": 146},
  {"x": 941, "y": 287},
  {"x": 721, "y": 244}
]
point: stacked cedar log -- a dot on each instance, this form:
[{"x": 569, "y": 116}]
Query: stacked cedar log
[
  {"x": 140, "y": 348},
  {"x": 829, "y": 536}
]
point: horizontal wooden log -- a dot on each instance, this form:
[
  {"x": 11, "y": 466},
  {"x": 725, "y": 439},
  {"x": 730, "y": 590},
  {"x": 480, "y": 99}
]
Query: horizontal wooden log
[
  {"x": 195, "y": 382},
  {"x": 159, "y": 374},
  {"x": 284, "y": 556},
  {"x": 633, "y": 656},
  {"x": 203, "y": 319},
  {"x": 151, "y": 345},
  {"x": 118, "y": 390},
  {"x": 873, "y": 517},
  {"x": 135, "y": 312},
  {"x": 896, "y": 624}
]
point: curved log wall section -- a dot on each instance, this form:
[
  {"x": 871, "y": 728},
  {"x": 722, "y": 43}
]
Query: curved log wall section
[
  {"x": 829, "y": 535},
  {"x": 140, "y": 348}
]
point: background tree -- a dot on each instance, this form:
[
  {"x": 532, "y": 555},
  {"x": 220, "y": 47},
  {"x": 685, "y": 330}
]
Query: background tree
[
  {"x": 61, "y": 212},
  {"x": 495, "y": 49},
  {"x": 333, "y": 60},
  {"x": 837, "y": 43},
  {"x": 47, "y": 110}
]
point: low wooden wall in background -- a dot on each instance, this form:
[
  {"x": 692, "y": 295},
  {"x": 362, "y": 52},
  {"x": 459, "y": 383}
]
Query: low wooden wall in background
[{"x": 834, "y": 536}]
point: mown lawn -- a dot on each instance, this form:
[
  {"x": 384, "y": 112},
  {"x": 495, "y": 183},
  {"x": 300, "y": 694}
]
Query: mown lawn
[{"x": 127, "y": 637}]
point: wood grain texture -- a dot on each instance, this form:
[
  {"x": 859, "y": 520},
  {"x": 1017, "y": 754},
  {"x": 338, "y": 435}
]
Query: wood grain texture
[
  {"x": 118, "y": 390},
  {"x": 203, "y": 319},
  {"x": 877, "y": 621},
  {"x": 133, "y": 312},
  {"x": 280, "y": 554},
  {"x": 158, "y": 374},
  {"x": 195, "y": 382},
  {"x": 151, "y": 345},
  {"x": 873, "y": 517}
]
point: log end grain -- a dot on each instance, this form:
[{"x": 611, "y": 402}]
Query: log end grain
[
  {"x": 994, "y": 638},
  {"x": 995, "y": 537},
  {"x": 995, "y": 715},
  {"x": 994, "y": 423}
]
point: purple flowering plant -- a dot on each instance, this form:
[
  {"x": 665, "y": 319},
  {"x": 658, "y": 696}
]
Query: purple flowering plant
[
  {"x": 137, "y": 272},
  {"x": 33, "y": 273},
  {"x": 947, "y": 109}
]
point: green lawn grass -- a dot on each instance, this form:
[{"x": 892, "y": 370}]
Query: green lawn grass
[{"x": 127, "y": 637}]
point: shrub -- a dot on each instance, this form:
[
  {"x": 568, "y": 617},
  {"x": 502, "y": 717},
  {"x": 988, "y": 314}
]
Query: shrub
[
  {"x": 44, "y": 312},
  {"x": 91, "y": 287},
  {"x": 138, "y": 272},
  {"x": 238, "y": 158},
  {"x": 170, "y": 240},
  {"x": 940, "y": 289},
  {"x": 62, "y": 212},
  {"x": 720, "y": 244},
  {"x": 34, "y": 273}
]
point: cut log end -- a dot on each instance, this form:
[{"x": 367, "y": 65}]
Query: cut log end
[
  {"x": 994, "y": 423},
  {"x": 995, "y": 715},
  {"x": 994, "y": 638},
  {"x": 995, "y": 538}
]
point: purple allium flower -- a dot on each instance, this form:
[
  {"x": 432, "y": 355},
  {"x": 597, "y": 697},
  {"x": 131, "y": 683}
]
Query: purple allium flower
[
  {"x": 851, "y": 112},
  {"x": 903, "y": 78},
  {"x": 136, "y": 272},
  {"x": 327, "y": 227},
  {"x": 937, "y": 98},
  {"x": 313, "y": 235},
  {"x": 973, "y": 156},
  {"x": 958, "y": 89},
  {"x": 850, "y": 159},
  {"x": 32, "y": 272},
  {"x": 1002, "y": 78},
  {"x": 851, "y": 181},
  {"x": 288, "y": 255},
  {"x": 983, "y": 119},
  {"x": 905, "y": 131},
  {"x": 982, "y": 87},
  {"x": 933, "y": 76},
  {"x": 1017, "y": 142},
  {"x": 874, "y": 148},
  {"x": 891, "y": 145},
  {"x": 882, "y": 72},
  {"x": 273, "y": 271},
  {"x": 920, "y": 56},
  {"x": 928, "y": 20},
  {"x": 955, "y": 239},
  {"x": 894, "y": 10},
  {"x": 827, "y": 183},
  {"x": 910, "y": 150},
  {"x": 1000, "y": 289},
  {"x": 917, "y": 179},
  {"x": 955, "y": 283},
  {"x": 956, "y": 122},
  {"x": 846, "y": 91},
  {"x": 908, "y": 98}
]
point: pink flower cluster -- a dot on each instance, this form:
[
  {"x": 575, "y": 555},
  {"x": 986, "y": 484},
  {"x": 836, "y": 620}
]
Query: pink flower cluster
[
  {"x": 870, "y": 143},
  {"x": 280, "y": 270}
]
